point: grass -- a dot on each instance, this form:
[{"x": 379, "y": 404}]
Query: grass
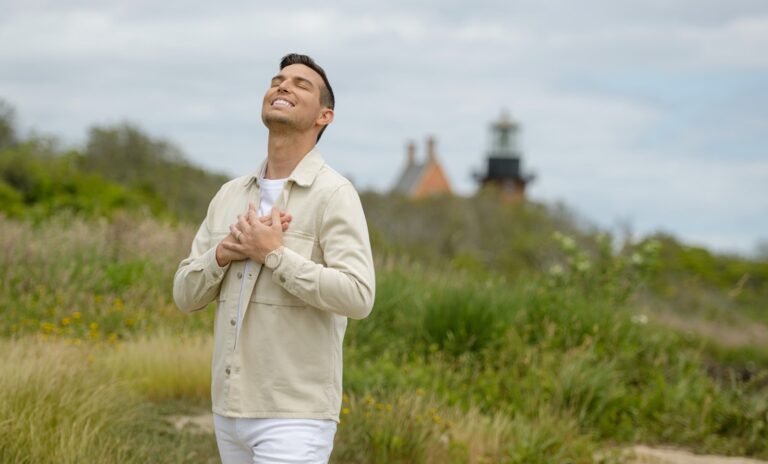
[
  {"x": 57, "y": 405},
  {"x": 455, "y": 364}
]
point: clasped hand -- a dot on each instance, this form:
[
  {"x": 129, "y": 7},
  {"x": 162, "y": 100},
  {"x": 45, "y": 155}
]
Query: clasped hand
[{"x": 252, "y": 236}]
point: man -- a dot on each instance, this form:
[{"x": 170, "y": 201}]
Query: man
[{"x": 285, "y": 253}]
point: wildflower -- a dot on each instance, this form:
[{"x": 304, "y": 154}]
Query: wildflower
[
  {"x": 640, "y": 319},
  {"x": 345, "y": 411},
  {"x": 94, "y": 326},
  {"x": 66, "y": 321},
  {"x": 583, "y": 265},
  {"x": 76, "y": 315},
  {"x": 556, "y": 270}
]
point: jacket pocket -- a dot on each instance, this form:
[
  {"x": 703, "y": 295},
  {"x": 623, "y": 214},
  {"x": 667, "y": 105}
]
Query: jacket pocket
[{"x": 300, "y": 242}]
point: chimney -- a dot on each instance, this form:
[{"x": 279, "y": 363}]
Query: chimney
[
  {"x": 411, "y": 153},
  {"x": 431, "y": 155}
]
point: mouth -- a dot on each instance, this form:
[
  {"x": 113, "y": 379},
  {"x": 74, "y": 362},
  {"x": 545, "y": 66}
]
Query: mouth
[{"x": 282, "y": 103}]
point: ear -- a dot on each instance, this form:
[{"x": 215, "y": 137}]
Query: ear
[{"x": 325, "y": 118}]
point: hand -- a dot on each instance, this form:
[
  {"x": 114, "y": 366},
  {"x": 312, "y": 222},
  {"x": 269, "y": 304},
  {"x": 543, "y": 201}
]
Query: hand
[
  {"x": 256, "y": 239},
  {"x": 285, "y": 218},
  {"x": 224, "y": 256}
]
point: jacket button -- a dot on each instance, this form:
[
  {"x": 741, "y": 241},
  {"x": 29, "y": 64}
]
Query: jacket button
[
  {"x": 239, "y": 275},
  {"x": 227, "y": 370},
  {"x": 233, "y": 322},
  {"x": 282, "y": 279}
]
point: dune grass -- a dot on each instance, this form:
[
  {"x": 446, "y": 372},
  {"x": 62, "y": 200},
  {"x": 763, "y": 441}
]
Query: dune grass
[{"x": 454, "y": 364}]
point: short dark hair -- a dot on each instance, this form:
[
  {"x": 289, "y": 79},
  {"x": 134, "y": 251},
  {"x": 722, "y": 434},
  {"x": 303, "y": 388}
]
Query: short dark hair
[{"x": 326, "y": 94}]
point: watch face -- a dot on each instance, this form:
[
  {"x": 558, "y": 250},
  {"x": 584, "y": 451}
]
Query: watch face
[{"x": 272, "y": 260}]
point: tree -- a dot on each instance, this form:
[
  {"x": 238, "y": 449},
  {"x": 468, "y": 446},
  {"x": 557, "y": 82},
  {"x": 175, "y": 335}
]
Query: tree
[
  {"x": 7, "y": 125},
  {"x": 125, "y": 154}
]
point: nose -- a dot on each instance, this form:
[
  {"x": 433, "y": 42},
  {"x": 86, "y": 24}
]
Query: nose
[{"x": 283, "y": 86}]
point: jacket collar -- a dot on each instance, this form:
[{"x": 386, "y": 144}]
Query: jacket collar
[{"x": 303, "y": 174}]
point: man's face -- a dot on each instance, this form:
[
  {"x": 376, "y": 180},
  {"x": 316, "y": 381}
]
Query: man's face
[{"x": 293, "y": 99}]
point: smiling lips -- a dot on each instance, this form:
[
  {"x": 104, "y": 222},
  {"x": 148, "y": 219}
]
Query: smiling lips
[{"x": 282, "y": 103}]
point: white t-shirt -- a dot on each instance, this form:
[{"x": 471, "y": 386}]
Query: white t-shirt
[{"x": 270, "y": 189}]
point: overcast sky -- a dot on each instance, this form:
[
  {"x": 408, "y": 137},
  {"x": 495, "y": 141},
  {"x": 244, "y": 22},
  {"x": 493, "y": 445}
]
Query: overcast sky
[{"x": 652, "y": 114}]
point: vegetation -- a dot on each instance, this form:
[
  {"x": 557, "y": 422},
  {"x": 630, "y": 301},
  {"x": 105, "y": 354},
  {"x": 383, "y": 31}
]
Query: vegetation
[
  {"x": 500, "y": 333},
  {"x": 120, "y": 168}
]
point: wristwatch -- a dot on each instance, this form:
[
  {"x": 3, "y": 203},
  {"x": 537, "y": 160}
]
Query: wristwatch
[{"x": 273, "y": 258}]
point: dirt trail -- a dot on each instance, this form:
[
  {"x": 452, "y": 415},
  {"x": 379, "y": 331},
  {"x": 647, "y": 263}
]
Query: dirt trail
[
  {"x": 647, "y": 455},
  {"x": 635, "y": 455},
  {"x": 204, "y": 422}
]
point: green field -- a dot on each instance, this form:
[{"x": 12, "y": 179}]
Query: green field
[{"x": 455, "y": 363}]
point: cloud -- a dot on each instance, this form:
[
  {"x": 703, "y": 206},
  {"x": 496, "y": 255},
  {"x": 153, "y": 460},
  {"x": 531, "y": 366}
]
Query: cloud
[{"x": 651, "y": 110}]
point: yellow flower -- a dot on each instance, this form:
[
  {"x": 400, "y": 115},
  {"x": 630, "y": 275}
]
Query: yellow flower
[
  {"x": 66, "y": 321},
  {"x": 76, "y": 315},
  {"x": 345, "y": 411},
  {"x": 93, "y": 326}
]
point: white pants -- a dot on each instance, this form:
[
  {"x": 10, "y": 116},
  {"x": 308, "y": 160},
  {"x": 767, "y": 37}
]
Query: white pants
[{"x": 267, "y": 441}]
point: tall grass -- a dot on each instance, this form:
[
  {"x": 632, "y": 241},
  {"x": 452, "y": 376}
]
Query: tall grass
[
  {"x": 54, "y": 408},
  {"x": 455, "y": 363},
  {"x": 75, "y": 404},
  {"x": 163, "y": 366}
]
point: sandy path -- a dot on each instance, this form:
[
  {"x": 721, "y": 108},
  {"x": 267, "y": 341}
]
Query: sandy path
[{"x": 647, "y": 455}]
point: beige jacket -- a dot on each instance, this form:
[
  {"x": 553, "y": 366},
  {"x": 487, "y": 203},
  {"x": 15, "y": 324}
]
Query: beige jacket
[{"x": 287, "y": 362}]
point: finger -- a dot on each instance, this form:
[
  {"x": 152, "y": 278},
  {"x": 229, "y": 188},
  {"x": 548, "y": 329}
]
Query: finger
[
  {"x": 285, "y": 226},
  {"x": 232, "y": 246},
  {"x": 287, "y": 217},
  {"x": 253, "y": 217},
  {"x": 276, "y": 218},
  {"x": 243, "y": 224}
]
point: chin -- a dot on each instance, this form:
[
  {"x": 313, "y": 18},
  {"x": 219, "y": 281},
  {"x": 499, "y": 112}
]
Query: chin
[{"x": 275, "y": 118}]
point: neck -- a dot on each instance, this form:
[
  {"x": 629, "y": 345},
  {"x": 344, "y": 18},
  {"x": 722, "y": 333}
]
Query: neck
[{"x": 285, "y": 150}]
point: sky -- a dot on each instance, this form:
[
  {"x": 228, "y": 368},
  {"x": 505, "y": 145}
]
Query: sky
[{"x": 648, "y": 116}]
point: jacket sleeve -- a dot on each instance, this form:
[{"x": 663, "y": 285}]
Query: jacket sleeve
[
  {"x": 345, "y": 285},
  {"x": 198, "y": 278}
]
